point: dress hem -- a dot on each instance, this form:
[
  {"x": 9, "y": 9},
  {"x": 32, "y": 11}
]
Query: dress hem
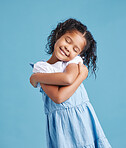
[{"x": 99, "y": 143}]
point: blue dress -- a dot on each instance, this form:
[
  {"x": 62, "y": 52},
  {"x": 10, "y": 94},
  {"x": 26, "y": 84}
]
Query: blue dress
[{"x": 73, "y": 123}]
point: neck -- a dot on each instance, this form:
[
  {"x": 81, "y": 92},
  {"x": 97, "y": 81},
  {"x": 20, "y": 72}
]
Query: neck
[{"x": 52, "y": 60}]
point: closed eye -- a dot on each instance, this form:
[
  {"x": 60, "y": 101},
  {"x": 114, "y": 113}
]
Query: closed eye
[
  {"x": 75, "y": 49},
  {"x": 67, "y": 40}
]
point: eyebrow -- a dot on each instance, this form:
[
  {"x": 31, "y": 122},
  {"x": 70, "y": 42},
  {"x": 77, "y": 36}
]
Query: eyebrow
[{"x": 72, "y": 41}]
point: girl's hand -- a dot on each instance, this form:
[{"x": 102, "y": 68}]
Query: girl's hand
[
  {"x": 32, "y": 81},
  {"x": 83, "y": 70}
]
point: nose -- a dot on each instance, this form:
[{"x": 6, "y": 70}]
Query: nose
[{"x": 66, "y": 49}]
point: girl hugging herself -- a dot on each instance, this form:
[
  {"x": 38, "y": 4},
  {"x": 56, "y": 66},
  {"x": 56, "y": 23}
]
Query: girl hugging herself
[{"x": 70, "y": 117}]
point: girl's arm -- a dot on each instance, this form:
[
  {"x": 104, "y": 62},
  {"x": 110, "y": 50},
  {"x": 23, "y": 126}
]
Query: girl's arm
[
  {"x": 62, "y": 78},
  {"x": 61, "y": 94}
]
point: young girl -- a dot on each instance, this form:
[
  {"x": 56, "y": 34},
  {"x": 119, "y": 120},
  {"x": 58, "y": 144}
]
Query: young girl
[{"x": 71, "y": 119}]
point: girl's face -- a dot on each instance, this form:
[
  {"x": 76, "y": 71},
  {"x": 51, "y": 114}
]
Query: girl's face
[{"x": 69, "y": 46}]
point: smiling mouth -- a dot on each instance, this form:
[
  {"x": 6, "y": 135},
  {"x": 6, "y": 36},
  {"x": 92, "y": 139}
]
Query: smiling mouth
[{"x": 63, "y": 52}]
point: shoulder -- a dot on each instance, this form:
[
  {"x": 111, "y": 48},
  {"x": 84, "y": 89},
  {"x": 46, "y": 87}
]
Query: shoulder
[
  {"x": 42, "y": 66},
  {"x": 39, "y": 64},
  {"x": 76, "y": 60}
]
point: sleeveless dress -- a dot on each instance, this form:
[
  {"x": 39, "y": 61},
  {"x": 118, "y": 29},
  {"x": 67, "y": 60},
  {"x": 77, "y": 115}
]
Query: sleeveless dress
[{"x": 73, "y": 123}]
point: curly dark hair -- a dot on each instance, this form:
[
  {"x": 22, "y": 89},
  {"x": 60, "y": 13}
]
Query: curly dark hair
[{"x": 88, "y": 54}]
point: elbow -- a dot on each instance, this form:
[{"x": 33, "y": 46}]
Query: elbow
[
  {"x": 30, "y": 79},
  {"x": 57, "y": 99},
  {"x": 58, "y": 102},
  {"x": 69, "y": 80},
  {"x": 61, "y": 98}
]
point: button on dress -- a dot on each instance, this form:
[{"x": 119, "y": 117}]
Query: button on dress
[{"x": 73, "y": 123}]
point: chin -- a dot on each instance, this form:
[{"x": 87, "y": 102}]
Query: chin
[{"x": 60, "y": 58}]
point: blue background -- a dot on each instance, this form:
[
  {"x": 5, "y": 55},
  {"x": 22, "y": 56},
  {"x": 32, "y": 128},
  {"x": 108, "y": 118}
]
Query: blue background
[{"x": 24, "y": 28}]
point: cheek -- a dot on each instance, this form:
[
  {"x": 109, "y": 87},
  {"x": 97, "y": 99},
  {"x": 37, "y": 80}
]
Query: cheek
[
  {"x": 72, "y": 55},
  {"x": 60, "y": 42},
  {"x": 56, "y": 45}
]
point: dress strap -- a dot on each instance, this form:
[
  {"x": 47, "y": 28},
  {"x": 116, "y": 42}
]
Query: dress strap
[{"x": 32, "y": 65}]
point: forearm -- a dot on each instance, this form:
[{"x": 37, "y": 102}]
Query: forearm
[
  {"x": 51, "y": 91},
  {"x": 61, "y": 94},
  {"x": 67, "y": 91},
  {"x": 60, "y": 78}
]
